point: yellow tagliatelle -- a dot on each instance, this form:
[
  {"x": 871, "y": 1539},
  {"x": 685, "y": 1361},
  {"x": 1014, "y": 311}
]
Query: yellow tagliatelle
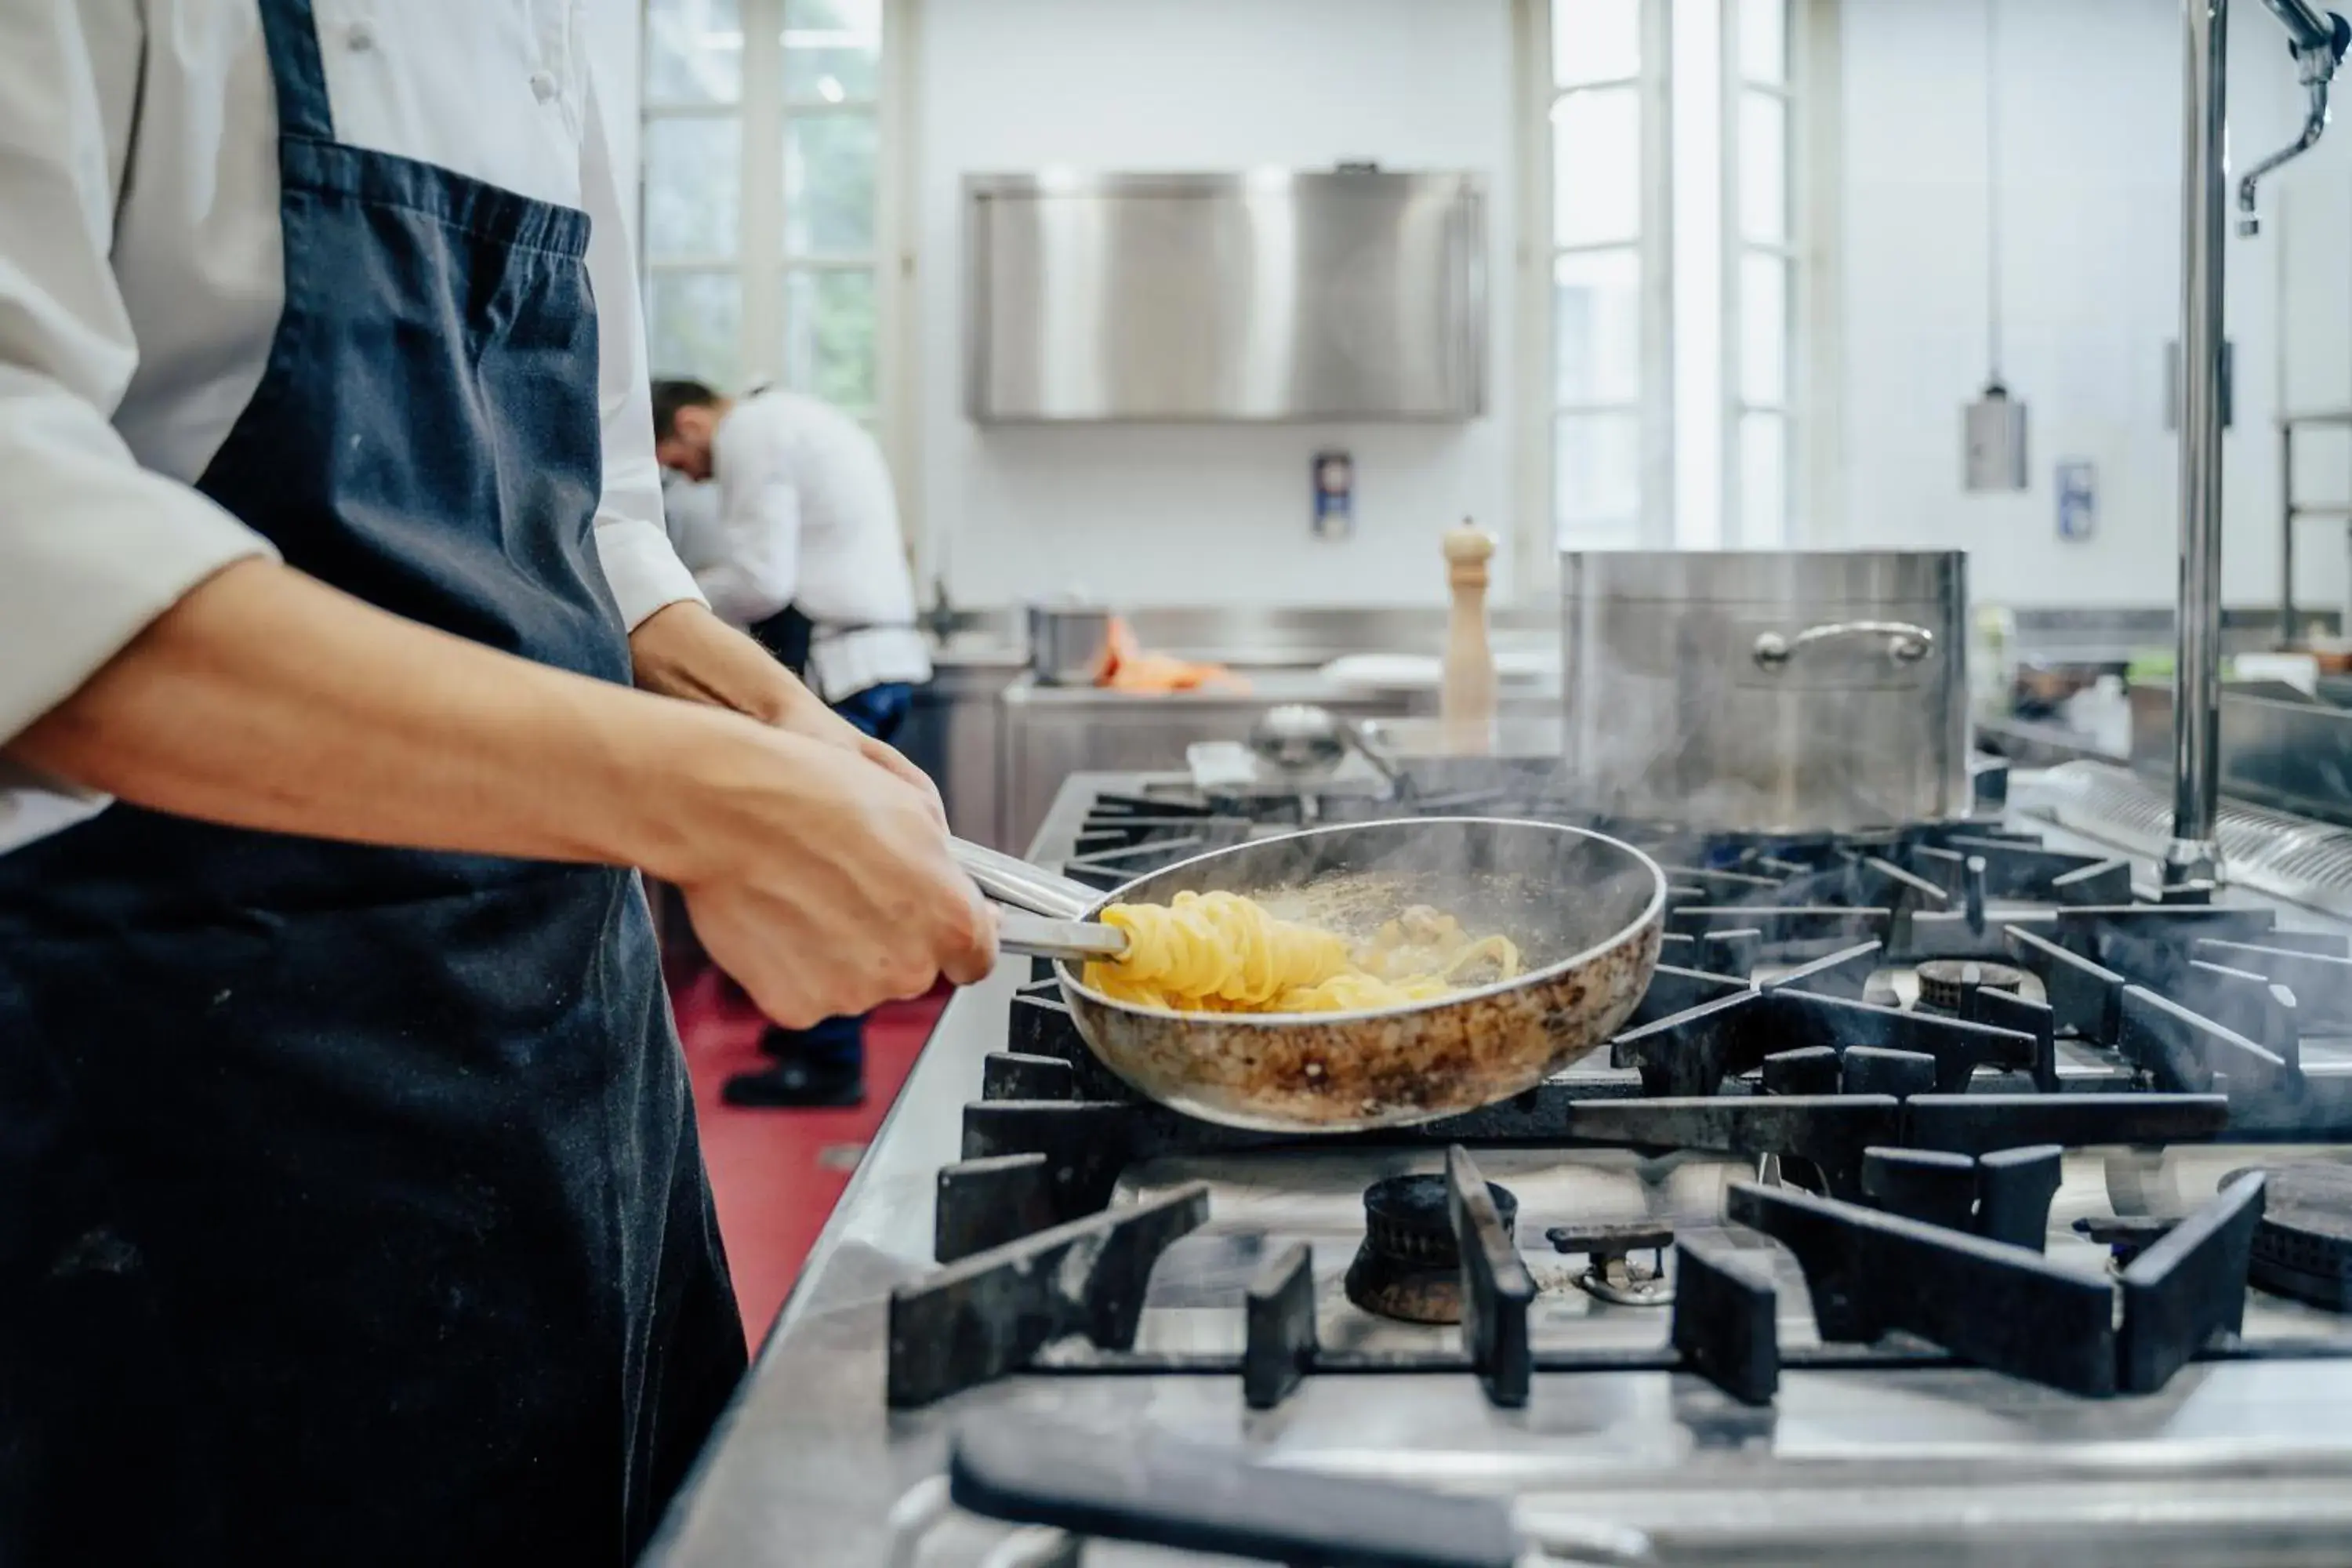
[{"x": 1223, "y": 953}]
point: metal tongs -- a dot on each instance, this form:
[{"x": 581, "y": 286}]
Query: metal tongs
[{"x": 1040, "y": 914}]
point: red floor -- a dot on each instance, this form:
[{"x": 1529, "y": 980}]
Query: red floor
[{"x": 777, "y": 1173}]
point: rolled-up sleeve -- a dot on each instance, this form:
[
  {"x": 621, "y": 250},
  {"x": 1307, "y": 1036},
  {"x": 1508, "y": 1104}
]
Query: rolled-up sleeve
[
  {"x": 639, "y": 562},
  {"x": 92, "y": 546}
]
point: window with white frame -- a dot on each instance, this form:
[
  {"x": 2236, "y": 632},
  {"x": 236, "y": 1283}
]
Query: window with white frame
[
  {"x": 1674, "y": 258},
  {"x": 1760, "y": 292},
  {"x": 1608, "y": 232},
  {"x": 761, "y": 194}
]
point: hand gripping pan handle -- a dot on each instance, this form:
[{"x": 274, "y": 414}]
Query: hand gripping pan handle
[{"x": 1042, "y": 912}]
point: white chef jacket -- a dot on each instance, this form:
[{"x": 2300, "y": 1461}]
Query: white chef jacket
[
  {"x": 691, "y": 512},
  {"x": 141, "y": 278},
  {"x": 807, "y": 518}
]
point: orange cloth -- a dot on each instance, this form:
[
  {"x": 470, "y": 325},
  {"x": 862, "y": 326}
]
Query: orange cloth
[{"x": 1125, "y": 667}]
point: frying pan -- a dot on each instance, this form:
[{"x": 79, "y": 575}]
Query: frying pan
[{"x": 1585, "y": 910}]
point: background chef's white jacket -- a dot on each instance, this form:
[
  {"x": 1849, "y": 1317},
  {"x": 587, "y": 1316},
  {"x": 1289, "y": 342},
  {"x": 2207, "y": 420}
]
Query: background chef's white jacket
[
  {"x": 806, "y": 516},
  {"x": 140, "y": 280}
]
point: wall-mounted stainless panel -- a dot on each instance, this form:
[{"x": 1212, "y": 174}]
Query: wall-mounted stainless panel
[{"x": 1263, "y": 296}]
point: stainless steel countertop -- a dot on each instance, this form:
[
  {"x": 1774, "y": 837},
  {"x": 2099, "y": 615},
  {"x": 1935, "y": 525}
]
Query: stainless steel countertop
[
  {"x": 1301, "y": 636},
  {"x": 1267, "y": 686},
  {"x": 2234, "y": 1462},
  {"x": 1308, "y": 636}
]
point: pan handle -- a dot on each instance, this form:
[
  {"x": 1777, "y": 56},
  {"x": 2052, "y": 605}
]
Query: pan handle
[{"x": 1022, "y": 885}]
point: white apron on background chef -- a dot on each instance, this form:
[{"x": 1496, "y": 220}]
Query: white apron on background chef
[
  {"x": 805, "y": 553},
  {"x": 350, "y": 1207}
]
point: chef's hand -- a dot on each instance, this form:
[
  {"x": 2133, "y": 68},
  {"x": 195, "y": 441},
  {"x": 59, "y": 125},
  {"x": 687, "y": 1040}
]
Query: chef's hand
[
  {"x": 683, "y": 650},
  {"x": 825, "y": 888}
]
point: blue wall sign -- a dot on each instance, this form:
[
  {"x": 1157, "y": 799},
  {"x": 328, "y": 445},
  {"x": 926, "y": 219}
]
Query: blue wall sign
[
  {"x": 2078, "y": 498},
  {"x": 1335, "y": 495}
]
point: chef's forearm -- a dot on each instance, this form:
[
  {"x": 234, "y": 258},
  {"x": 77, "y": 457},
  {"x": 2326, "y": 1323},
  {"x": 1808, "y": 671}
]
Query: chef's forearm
[
  {"x": 266, "y": 699},
  {"x": 683, "y": 650}
]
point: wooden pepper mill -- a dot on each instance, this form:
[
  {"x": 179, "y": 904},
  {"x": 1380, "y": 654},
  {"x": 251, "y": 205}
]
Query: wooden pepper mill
[{"x": 1467, "y": 700}]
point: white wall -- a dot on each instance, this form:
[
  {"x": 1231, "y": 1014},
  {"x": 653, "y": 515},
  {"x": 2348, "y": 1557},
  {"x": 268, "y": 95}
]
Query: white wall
[
  {"x": 2091, "y": 136},
  {"x": 1202, "y": 514}
]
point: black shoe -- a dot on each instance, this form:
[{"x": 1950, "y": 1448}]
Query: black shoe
[
  {"x": 835, "y": 1037},
  {"x": 799, "y": 1085}
]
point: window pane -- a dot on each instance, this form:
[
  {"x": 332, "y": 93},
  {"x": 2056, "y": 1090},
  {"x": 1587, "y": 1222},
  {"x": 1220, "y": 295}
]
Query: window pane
[
  {"x": 1764, "y": 40},
  {"x": 1595, "y": 40},
  {"x": 1596, "y": 473},
  {"x": 694, "y": 51},
  {"x": 693, "y": 326},
  {"x": 693, "y": 188},
  {"x": 830, "y": 343},
  {"x": 1763, "y": 481},
  {"x": 1763, "y": 329},
  {"x": 1596, "y": 161},
  {"x": 1596, "y": 316},
  {"x": 829, "y": 185},
  {"x": 833, "y": 50},
  {"x": 1763, "y": 167}
]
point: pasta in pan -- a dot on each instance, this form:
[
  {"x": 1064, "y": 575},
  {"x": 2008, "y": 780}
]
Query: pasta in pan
[{"x": 1225, "y": 953}]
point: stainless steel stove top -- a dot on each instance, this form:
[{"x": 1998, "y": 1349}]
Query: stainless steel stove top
[{"x": 1889, "y": 1452}]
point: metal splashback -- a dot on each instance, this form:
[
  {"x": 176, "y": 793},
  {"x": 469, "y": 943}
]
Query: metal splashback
[
  {"x": 2271, "y": 852},
  {"x": 1270, "y": 295}
]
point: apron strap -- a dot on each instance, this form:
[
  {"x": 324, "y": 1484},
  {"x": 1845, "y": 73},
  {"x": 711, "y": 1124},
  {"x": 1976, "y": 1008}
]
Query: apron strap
[
  {"x": 296, "y": 69},
  {"x": 788, "y": 634}
]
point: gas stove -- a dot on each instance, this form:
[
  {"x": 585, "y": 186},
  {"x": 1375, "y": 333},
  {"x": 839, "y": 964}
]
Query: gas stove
[
  {"x": 1966, "y": 956},
  {"x": 1949, "y": 1199}
]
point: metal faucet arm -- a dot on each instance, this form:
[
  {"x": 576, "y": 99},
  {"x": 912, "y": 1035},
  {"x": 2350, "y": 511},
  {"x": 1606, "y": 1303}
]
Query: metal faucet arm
[
  {"x": 2193, "y": 856},
  {"x": 2307, "y": 27},
  {"x": 2315, "y": 61}
]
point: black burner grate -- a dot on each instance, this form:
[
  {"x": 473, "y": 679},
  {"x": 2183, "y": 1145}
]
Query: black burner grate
[{"x": 1930, "y": 1138}]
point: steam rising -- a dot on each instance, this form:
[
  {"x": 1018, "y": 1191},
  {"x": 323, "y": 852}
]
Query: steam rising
[{"x": 1554, "y": 892}]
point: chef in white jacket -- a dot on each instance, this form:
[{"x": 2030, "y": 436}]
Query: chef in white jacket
[
  {"x": 351, "y": 1205},
  {"x": 804, "y": 552}
]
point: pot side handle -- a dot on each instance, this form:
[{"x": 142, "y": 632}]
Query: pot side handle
[{"x": 1905, "y": 643}]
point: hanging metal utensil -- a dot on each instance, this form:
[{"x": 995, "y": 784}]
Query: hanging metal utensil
[{"x": 1993, "y": 426}]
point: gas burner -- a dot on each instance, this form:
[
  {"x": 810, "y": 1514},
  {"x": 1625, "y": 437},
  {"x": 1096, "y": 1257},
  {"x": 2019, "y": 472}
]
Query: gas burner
[
  {"x": 2302, "y": 1245},
  {"x": 1409, "y": 1266},
  {"x": 1946, "y": 983}
]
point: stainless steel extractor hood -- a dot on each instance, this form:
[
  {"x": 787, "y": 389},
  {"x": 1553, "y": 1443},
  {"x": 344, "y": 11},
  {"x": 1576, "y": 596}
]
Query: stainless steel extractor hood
[{"x": 1272, "y": 295}]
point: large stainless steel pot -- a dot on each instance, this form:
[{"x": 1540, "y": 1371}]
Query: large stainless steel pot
[{"x": 1767, "y": 692}]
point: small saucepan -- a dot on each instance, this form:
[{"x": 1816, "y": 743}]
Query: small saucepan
[{"x": 1585, "y": 911}]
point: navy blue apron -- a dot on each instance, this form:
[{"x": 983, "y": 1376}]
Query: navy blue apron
[{"x": 351, "y": 1206}]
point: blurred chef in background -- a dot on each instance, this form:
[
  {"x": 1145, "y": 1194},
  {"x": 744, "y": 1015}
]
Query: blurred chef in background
[{"x": 806, "y": 555}]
